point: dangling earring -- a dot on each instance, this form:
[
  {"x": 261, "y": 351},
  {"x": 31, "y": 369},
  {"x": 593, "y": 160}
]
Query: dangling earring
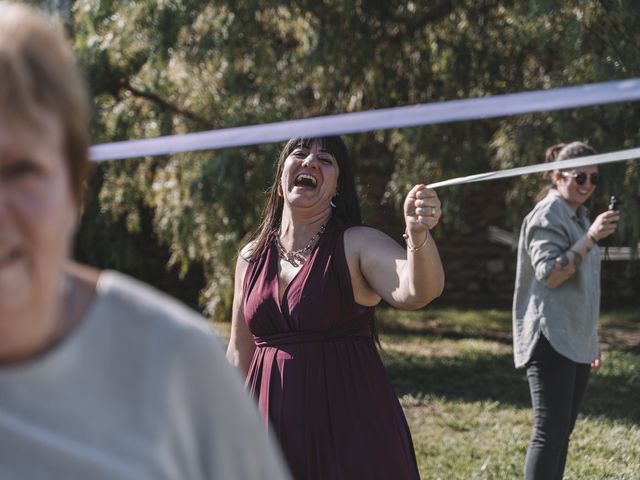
[{"x": 332, "y": 203}]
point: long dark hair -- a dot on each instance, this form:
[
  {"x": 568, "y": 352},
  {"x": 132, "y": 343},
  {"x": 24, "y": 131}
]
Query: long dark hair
[
  {"x": 556, "y": 153},
  {"x": 347, "y": 209},
  {"x": 346, "y": 212}
]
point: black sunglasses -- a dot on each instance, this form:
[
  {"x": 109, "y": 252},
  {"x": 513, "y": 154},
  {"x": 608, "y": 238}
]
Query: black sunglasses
[{"x": 581, "y": 178}]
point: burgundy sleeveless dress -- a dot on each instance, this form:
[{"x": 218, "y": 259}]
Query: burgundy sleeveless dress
[{"x": 316, "y": 374}]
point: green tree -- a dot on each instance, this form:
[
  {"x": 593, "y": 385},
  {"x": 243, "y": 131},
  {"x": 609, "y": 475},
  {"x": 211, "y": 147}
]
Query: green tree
[{"x": 177, "y": 66}]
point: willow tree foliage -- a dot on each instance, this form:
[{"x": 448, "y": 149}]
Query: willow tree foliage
[{"x": 177, "y": 66}]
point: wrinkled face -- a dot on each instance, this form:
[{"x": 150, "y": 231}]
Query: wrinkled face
[
  {"x": 309, "y": 177},
  {"x": 568, "y": 185},
  {"x": 37, "y": 213}
]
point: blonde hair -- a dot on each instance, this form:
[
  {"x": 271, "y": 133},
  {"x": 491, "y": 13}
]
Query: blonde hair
[{"x": 38, "y": 71}]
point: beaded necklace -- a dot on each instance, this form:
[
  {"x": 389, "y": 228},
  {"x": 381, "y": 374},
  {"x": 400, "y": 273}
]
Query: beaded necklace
[{"x": 298, "y": 257}]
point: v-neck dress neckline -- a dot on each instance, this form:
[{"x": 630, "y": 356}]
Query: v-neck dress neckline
[
  {"x": 316, "y": 374},
  {"x": 282, "y": 302}
]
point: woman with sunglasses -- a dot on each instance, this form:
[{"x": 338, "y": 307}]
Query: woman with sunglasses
[{"x": 557, "y": 304}]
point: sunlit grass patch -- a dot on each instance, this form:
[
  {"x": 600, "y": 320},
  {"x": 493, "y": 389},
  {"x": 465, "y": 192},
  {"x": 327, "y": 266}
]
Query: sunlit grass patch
[
  {"x": 456, "y": 439},
  {"x": 469, "y": 410}
]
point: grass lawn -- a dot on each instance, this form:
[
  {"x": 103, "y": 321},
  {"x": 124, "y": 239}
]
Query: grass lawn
[{"x": 469, "y": 409}]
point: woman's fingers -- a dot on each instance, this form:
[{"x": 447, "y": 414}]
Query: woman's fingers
[
  {"x": 605, "y": 224},
  {"x": 422, "y": 207}
]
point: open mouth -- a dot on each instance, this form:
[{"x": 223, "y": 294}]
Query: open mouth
[{"x": 304, "y": 180}]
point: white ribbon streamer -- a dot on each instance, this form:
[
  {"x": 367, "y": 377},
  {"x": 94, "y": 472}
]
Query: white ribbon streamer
[
  {"x": 398, "y": 117},
  {"x": 618, "y": 156}
]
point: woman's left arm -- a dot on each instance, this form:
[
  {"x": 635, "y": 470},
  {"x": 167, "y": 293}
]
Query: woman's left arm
[{"x": 412, "y": 278}]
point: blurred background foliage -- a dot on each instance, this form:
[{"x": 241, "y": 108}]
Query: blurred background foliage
[{"x": 176, "y": 66}]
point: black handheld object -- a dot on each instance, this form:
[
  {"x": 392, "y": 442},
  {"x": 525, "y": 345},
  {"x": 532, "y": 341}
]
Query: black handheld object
[{"x": 614, "y": 203}]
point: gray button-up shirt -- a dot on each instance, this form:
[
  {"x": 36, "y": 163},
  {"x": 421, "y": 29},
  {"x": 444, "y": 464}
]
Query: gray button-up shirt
[{"x": 566, "y": 315}]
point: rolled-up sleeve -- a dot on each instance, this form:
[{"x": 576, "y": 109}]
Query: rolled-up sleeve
[{"x": 546, "y": 240}]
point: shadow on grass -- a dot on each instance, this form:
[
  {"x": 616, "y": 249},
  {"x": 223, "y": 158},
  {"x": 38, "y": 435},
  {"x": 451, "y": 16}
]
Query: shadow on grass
[
  {"x": 622, "y": 337},
  {"x": 482, "y": 376},
  {"x": 448, "y": 332}
]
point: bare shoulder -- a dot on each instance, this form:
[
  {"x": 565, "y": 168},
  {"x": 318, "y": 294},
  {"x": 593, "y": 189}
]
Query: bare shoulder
[
  {"x": 360, "y": 236},
  {"x": 245, "y": 253},
  {"x": 242, "y": 263},
  {"x": 362, "y": 233},
  {"x": 359, "y": 247},
  {"x": 368, "y": 245}
]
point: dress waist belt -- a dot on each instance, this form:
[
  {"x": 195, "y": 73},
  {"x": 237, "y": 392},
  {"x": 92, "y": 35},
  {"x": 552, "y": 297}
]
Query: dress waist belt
[{"x": 288, "y": 338}]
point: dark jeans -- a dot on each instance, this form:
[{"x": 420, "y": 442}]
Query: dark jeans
[{"x": 557, "y": 386}]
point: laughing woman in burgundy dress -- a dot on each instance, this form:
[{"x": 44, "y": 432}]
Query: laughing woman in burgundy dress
[{"x": 305, "y": 291}]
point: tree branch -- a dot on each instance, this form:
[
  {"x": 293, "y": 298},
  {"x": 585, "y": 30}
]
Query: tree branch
[{"x": 155, "y": 98}]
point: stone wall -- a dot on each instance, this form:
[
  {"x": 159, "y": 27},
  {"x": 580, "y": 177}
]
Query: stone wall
[{"x": 478, "y": 271}]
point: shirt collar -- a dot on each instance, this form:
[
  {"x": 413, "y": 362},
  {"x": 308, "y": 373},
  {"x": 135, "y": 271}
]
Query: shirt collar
[{"x": 580, "y": 215}]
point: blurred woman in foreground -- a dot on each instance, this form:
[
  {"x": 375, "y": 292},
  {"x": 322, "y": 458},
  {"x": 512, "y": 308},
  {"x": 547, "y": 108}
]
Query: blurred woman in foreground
[{"x": 100, "y": 376}]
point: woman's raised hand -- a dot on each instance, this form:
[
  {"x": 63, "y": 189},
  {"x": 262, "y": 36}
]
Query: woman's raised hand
[
  {"x": 604, "y": 224},
  {"x": 421, "y": 209}
]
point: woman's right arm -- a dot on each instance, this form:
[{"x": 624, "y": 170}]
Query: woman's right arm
[
  {"x": 553, "y": 264},
  {"x": 241, "y": 345},
  {"x": 565, "y": 265}
]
